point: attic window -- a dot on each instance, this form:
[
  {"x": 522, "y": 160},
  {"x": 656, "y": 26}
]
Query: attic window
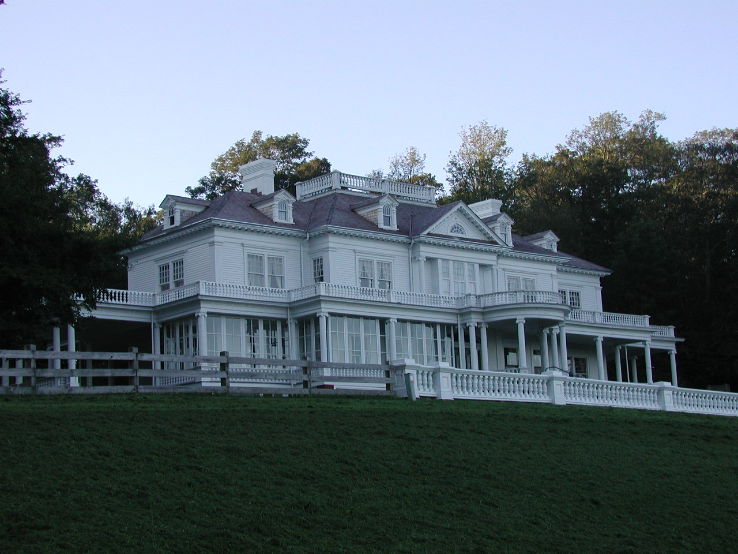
[
  {"x": 387, "y": 215},
  {"x": 282, "y": 210},
  {"x": 457, "y": 229},
  {"x": 171, "y": 216}
]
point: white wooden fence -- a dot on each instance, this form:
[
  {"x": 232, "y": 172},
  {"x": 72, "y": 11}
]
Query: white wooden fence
[{"x": 48, "y": 372}]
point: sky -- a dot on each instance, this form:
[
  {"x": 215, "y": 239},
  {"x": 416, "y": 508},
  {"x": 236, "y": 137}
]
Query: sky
[{"x": 147, "y": 94}]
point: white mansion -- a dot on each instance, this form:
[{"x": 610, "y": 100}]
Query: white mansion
[{"x": 360, "y": 270}]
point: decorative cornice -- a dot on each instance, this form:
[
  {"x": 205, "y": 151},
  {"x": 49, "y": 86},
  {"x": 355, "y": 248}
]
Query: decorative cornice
[{"x": 582, "y": 271}]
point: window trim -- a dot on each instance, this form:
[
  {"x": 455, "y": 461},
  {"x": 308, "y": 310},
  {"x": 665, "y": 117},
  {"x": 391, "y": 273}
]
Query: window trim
[
  {"x": 374, "y": 276},
  {"x": 265, "y": 274},
  {"x": 318, "y": 270}
]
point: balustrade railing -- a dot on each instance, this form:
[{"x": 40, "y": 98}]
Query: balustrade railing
[
  {"x": 490, "y": 300},
  {"x": 337, "y": 181}
]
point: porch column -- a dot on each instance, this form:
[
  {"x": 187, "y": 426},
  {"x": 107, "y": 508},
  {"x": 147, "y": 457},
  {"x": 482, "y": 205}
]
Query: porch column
[
  {"x": 473, "y": 345},
  {"x": 56, "y": 345},
  {"x": 601, "y": 375},
  {"x": 202, "y": 333},
  {"x": 647, "y": 356},
  {"x": 71, "y": 344},
  {"x": 618, "y": 367},
  {"x": 522, "y": 358},
  {"x": 323, "y": 319},
  {"x": 439, "y": 345},
  {"x": 292, "y": 339},
  {"x": 156, "y": 344},
  {"x": 633, "y": 370},
  {"x": 462, "y": 346},
  {"x": 72, "y": 347},
  {"x": 555, "y": 347},
  {"x": 483, "y": 345},
  {"x": 544, "y": 350},
  {"x": 672, "y": 364},
  {"x": 421, "y": 273},
  {"x": 562, "y": 344},
  {"x": 391, "y": 339}
]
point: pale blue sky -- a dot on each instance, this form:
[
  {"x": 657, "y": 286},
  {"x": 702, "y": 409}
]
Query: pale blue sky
[{"x": 146, "y": 94}]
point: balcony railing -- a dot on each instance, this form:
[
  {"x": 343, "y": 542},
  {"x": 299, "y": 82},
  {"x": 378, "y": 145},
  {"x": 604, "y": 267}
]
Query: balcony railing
[
  {"x": 264, "y": 294},
  {"x": 344, "y": 181}
]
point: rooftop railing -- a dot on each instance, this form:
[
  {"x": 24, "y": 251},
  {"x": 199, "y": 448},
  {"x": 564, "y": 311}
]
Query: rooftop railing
[{"x": 343, "y": 181}]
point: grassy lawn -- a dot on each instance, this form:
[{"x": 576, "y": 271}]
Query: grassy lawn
[{"x": 213, "y": 474}]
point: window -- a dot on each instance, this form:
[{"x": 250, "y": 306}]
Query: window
[
  {"x": 457, "y": 278},
  {"x": 511, "y": 357},
  {"x": 457, "y": 229},
  {"x": 375, "y": 274},
  {"x": 275, "y": 265},
  {"x": 571, "y": 297},
  {"x": 164, "y": 276},
  {"x": 520, "y": 283},
  {"x": 178, "y": 272},
  {"x": 256, "y": 270},
  {"x": 282, "y": 210},
  {"x": 387, "y": 216},
  {"x": 318, "y": 270},
  {"x": 171, "y": 216}
]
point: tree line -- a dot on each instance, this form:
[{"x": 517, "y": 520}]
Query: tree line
[{"x": 662, "y": 215}]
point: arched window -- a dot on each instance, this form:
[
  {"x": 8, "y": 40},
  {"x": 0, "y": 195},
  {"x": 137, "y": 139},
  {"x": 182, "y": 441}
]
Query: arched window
[
  {"x": 387, "y": 215},
  {"x": 457, "y": 229},
  {"x": 282, "y": 210}
]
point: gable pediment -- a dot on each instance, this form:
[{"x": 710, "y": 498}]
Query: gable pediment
[{"x": 461, "y": 222}]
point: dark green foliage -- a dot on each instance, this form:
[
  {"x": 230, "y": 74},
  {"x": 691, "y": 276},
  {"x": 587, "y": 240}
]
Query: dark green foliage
[
  {"x": 661, "y": 215},
  {"x": 295, "y": 163},
  {"x": 59, "y": 237},
  {"x": 220, "y": 474}
]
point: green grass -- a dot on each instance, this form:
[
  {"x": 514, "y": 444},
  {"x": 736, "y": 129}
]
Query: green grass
[{"x": 213, "y": 474}]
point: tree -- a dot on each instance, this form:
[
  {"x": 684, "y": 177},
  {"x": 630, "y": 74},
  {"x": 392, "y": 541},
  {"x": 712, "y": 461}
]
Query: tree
[
  {"x": 408, "y": 167},
  {"x": 54, "y": 251},
  {"x": 478, "y": 169},
  {"x": 294, "y": 163}
]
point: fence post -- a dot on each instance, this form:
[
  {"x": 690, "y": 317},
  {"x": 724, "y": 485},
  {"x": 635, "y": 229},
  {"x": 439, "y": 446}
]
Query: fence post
[
  {"x": 555, "y": 386},
  {"x": 406, "y": 384},
  {"x": 6, "y": 378},
  {"x": 225, "y": 366},
  {"x": 309, "y": 374},
  {"x": 442, "y": 381},
  {"x": 134, "y": 366},
  {"x": 665, "y": 396},
  {"x": 32, "y": 364}
]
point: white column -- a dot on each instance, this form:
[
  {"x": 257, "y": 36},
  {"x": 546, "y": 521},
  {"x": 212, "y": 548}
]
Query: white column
[
  {"x": 156, "y": 344},
  {"x": 420, "y": 263},
  {"x": 323, "y": 318},
  {"x": 473, "y": 345},
  {"x": 462, "y": 347},
  {"x": 483, "y": 345},
  {"x": 71, "y": 345},
  {"x": 601, "y": 375},
  {"x": 544, "y": 350},
  {"x": 633, "y": 370},
  {"x": 439, "y": 346},
  {"x": 522, "y": 357},
  {"x": 292, "y": 339},
  {"x": 647, "y": 355},
  {"x": 56, "y": 345},
  {"x": 555, "y": 347},
  {"x": 618, "y": 367},
  {"x": 392, "y": 339},
  {"x": 562, "y": 344},
  {"x": 672, "y": 364},
  {"x": 202, "y": 333}
]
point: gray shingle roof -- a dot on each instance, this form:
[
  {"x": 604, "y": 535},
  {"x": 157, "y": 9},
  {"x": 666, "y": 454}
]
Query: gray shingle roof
[{"x": 337, "y": 209}]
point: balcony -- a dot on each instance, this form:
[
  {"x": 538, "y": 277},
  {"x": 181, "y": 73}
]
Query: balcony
[{"x": 330, "y": 290}]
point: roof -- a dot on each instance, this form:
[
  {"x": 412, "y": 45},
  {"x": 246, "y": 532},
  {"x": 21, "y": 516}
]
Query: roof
[{"x": 338, "y": 209}]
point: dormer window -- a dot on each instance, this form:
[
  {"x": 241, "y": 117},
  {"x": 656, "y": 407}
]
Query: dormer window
[
  {"x": 171, "y": 216},
  {"x": 457, "y": 229},
  {"x": 282, "y": 210},
  {"x": 387, "y": 216}
]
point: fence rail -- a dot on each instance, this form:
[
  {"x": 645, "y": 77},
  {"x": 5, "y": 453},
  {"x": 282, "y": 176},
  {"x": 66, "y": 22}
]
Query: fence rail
[{"x": 53, "y": 372}]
